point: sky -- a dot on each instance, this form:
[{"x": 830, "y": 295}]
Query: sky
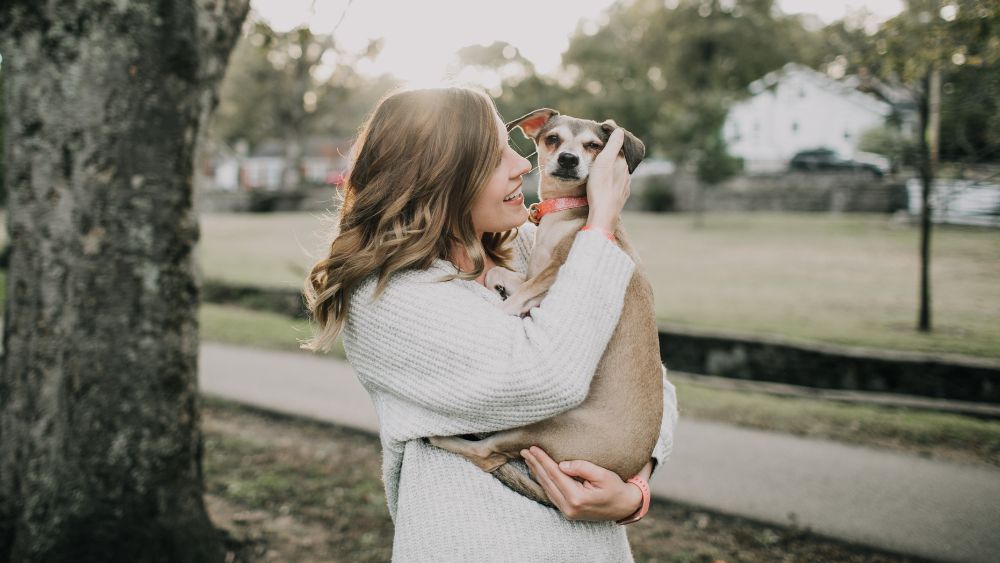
[{"x": 421, "y": 37}]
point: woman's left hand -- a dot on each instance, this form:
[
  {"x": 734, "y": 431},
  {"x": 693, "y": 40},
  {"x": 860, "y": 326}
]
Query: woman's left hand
[{"x": 602, "y": 495}]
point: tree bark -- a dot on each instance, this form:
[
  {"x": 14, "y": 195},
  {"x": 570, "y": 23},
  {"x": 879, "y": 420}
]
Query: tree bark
[
  {"x": 99, "y": 419},
  {"x": 930, "y": 101}
]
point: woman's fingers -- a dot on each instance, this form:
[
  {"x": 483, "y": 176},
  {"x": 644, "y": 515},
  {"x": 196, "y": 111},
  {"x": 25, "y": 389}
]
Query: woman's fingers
[
  {"x": 542, "y": 476},
  {"x": 585, "y": 470},
  {"x": 611, "y": 149},
  {"x": 568, "y": 488}
]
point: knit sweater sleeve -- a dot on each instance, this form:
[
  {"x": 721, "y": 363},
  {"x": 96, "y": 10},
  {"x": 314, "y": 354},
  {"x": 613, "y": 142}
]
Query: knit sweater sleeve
[
  {"x": 458, "y": 364},
  {"x": 665, "y": 444}
]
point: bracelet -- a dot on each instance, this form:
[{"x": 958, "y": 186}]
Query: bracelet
[
  {"x": 607, "y": 233},
  {"x": 638, "y": 514}
]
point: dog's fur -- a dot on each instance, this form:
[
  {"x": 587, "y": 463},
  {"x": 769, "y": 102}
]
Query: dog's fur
[{"x": 617, "y": 425}]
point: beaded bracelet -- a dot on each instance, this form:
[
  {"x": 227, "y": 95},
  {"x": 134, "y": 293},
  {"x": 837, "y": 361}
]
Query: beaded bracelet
[{"x": 607, "y": 233}]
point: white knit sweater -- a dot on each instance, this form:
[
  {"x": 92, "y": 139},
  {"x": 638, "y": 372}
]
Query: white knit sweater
[{"x": 440, "y": 359}]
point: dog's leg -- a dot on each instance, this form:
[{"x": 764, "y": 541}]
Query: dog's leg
[
  {"x": 504, "y": 281},
  {"x": 485, "y": 454},
  {"x": 480, "y": 452},
  {"x": 523, "y": 484},
  {"x": 531, "y": 292}
]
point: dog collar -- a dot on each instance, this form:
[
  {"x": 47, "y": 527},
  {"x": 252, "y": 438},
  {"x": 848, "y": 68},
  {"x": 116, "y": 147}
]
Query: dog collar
[{"x": 538, "y": 210}]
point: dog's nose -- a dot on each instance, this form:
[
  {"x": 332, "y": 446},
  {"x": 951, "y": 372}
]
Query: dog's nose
[{"x": 567, "y": 160}]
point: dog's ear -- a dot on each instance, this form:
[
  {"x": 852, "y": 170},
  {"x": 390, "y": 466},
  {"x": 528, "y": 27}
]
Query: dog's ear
[
  {"x": 633, "y": 149},
  {"x": 532, "y": 123}
]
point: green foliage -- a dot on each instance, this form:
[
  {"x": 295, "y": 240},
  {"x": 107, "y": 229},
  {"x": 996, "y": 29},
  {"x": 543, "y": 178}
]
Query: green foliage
[
  {"x": 658, "y": 196},
  {"x": 970, "y": 113},
  {"x": 714, "y": 163},
  {"x": 289, "y": 85},
  {"x": 959, "y": 37},
  {"x": 932, "y": 32},
  {"x": 889, "y": 141}
]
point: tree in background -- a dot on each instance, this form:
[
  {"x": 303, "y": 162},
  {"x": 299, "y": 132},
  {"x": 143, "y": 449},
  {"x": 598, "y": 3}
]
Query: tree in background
[
  {"x": 930, "y": 42},
  {"x": 292, "y": 85},
  {"x": 99, "y": 417},
  {"x": 3, "y": 186},
  {"x": 714, "y": 166}
]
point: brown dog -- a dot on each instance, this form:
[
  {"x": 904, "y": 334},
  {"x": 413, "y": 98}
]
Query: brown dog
[{"x": 617, "y": 425}]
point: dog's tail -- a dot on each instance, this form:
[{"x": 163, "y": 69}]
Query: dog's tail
[{"x": 522, "y": 483}]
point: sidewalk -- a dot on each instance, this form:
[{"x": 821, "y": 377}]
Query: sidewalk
[{"x": 908, "y": 504}]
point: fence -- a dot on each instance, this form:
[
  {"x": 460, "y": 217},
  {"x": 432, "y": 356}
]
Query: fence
[{"x": 958, "y": 202}]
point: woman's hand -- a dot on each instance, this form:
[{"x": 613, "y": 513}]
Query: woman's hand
[
  {"x": 609, "y": 183},
  {"x": 602, "y": 495}
]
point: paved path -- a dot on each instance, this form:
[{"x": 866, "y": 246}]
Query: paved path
[{"x": 908, "y": 504}]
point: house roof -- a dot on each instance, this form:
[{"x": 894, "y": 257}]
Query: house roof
[{"x": 847, "y": 89}]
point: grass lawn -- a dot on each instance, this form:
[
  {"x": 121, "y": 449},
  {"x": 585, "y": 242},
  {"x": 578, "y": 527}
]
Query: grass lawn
[
  {"x": 292, "y": 490},
  {"x": 848, "y": 279},
  {"x": 940, "y": 435}
]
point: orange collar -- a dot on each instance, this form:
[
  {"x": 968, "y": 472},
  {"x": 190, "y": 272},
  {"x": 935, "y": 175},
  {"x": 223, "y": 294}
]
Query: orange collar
[{"x": 538, "y": 210}]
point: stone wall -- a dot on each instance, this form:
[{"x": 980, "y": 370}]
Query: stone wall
[
  {"x": 791, "y": 191},
  {"x": 829, "y": 366}
]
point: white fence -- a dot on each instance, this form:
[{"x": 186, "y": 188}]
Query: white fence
[{"x": 962, "y": 202}]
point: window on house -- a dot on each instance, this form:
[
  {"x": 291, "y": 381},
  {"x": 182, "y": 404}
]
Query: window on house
[{"x": 795, "y": 126}]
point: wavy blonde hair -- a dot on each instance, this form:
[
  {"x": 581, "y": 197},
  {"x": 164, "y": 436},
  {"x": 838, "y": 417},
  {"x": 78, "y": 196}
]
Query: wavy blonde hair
[{"x": 419, "y": 161}]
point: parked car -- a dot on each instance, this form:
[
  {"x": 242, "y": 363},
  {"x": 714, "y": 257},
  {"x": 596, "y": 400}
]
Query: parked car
[{"x": 829, "y": 159}]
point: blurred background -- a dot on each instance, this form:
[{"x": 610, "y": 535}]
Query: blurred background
[
  {"x": 836, "y": 349},
  {"x": 795, "y": 126}
]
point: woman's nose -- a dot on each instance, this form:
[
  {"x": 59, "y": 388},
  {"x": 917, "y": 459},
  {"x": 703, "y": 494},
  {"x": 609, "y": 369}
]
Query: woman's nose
[{"x": 525, "y": 166}]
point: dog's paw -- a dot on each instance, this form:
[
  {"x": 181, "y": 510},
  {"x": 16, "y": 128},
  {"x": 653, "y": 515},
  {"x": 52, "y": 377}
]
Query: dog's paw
[
  {"x": 511, "y": 307},
  {"x": 503, "y": 281}
]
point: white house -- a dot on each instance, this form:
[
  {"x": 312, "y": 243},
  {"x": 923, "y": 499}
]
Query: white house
[{"x": 798, "y": 108}]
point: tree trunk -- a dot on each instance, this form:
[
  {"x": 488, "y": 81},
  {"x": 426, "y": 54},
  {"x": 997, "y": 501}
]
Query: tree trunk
[
  {"x": 699, "y": 204},
  {"x": 99, "y": 419},
  {"x": 930, "y": 103}
]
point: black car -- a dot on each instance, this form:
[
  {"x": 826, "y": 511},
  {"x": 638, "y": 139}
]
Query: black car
[{"x": 828, "y": 159}]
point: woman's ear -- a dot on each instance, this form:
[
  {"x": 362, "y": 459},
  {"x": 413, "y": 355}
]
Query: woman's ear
[{"x": 532, "y": 123}]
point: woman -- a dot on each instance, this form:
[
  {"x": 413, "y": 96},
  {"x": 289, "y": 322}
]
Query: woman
[{"x": 423, "y": 219}]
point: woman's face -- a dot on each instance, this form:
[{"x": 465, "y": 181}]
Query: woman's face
[{"x": 490, "y": 213}]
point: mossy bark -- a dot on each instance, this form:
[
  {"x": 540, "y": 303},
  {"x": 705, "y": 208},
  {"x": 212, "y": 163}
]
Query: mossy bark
[{"x": 99, "y": 422}]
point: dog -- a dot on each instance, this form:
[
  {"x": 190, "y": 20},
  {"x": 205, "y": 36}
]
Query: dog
[{"x": 617, "y": 425}]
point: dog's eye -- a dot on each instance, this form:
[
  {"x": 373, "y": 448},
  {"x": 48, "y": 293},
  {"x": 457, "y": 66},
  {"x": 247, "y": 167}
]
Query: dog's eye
[
  {"x": 593, "y": 146},
  {"x": 552, "y": 139}
]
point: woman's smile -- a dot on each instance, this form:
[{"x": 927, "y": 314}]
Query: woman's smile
[{"x": 515, "y": 197}]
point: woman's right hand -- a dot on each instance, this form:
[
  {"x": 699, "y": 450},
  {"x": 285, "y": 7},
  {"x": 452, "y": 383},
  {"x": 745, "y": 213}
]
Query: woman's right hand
[
  {"x": 608, "y": 184},
  {"x": 598, "y": 495}
]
